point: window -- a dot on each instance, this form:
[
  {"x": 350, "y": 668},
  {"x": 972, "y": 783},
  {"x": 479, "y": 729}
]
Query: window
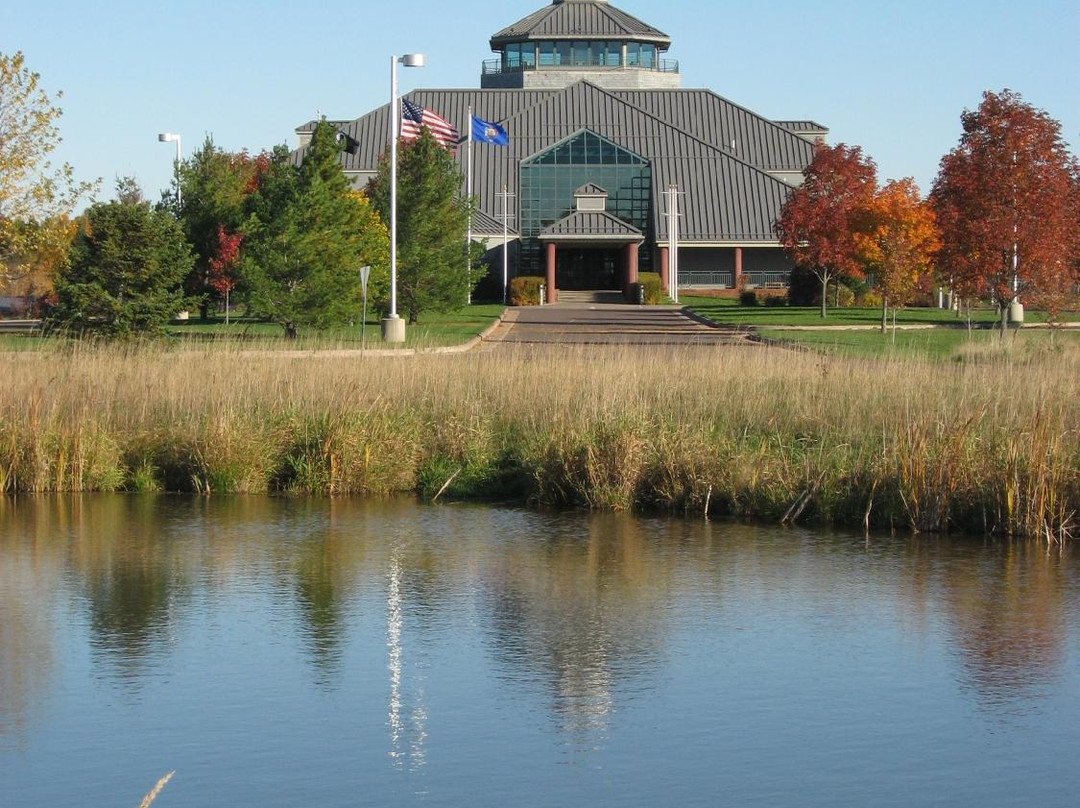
[
  {"x": 562, "y": 53},
  {"x": 648, "y": 56},
  {"x": 549, "y": 179},
  {"x": 547, "y": 54},
  {"x": 581, "y": 54},
  {"x": 633, "y": 54},
  {"x": 528, "y": 55},
  {"x": 513, "y": 55}
]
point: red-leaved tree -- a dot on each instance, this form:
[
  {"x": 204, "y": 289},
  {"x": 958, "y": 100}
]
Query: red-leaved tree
[
  {"x": 819, "y": 224},
  {"x": 223, "y": 265},
  {"x": 1004, "y": 199}
]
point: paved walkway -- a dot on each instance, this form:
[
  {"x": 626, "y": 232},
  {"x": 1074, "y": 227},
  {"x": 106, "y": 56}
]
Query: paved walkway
[{"x": 608, "y": 324}]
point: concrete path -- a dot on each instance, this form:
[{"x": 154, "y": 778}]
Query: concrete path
[{"x": 608, "y": 324}]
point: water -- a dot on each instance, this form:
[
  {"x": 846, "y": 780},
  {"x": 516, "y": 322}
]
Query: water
[{"x": 293, "y": 653}]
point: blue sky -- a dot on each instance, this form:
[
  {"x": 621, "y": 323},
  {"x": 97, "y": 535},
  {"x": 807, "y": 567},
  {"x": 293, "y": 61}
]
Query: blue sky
[{"x": 890, "y": 76}]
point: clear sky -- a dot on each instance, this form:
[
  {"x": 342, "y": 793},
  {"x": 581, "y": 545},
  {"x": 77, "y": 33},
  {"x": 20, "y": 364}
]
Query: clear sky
[{"x": 892, "y": 76}]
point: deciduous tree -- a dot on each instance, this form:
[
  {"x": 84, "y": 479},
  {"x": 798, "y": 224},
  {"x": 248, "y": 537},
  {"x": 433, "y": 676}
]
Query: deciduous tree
[
  {"x": 36, "y": 197},
  {"x": 1003, "y": 199},
  {"x": 819, "y": 224},
  {"x": 897, "y": 240},
  {"x": 433, "y": 217}
]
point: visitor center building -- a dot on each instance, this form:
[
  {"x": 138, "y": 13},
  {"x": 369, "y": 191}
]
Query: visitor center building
[{"x": 600, "y": 132}]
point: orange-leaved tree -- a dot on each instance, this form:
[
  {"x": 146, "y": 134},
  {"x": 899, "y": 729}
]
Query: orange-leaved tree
[
  {"x": 897, "y": 240},
  {"x": 1004, "y": 199},
  {"x": 818, "y": 225}
]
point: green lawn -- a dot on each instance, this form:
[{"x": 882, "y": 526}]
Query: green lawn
[
  {"x": 433, "y": 330},
  {"x": 935, "y": 344},
  {"x": 729, "y": 312}
]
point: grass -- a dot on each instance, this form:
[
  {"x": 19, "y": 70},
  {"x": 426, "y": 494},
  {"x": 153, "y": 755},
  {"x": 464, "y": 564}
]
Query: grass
[
  {"x": 729, "y": 312},
  {"x": 935, "y": 344},
  {"x": 433, "y": 330},
  {"x": 990, "y": 444}
]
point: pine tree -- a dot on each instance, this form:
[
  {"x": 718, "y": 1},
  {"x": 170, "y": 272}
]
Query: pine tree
[
  {"x": 306, "y": 237},
  {"x": 125, "y": 271},
  {"x": 433, "y": 272}
]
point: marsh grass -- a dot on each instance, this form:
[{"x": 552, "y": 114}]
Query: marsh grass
[{"x": 989, "y": 444}]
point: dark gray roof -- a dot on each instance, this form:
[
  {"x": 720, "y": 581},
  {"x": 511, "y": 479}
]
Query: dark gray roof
[
  {"x": 804, "y": 127},
  {"x": 484, "y": 224},
  {"x": 733, "y": 128},
  {"x": 591, "y": 225},
  {"x": 580, "y": 19},
  {"x": 590, "y": 189},
  {"x": 685, "y": 134}
]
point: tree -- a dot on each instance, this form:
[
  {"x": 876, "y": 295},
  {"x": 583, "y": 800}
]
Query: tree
[
  {"x": 223, "y": 278},
  {"x": 35, "y": 197},
  {"x": 125, "y": 271},
  {"x": 818, "y": 225},
  {"x": 306, "y": 237},
  {"x": 1004, "y": 202},
  {"x": 897, "y": 240},
  {"x": 215, "y": 185},
  {"x": 433, "y": 272}
]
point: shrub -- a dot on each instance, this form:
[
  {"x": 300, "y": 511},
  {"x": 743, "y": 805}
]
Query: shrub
[
  {"x": 869, "y": 299},
  {"x": 525, "y": 290},
  {"x": 775, "y": 301},
  {"x": 748, "y": 298},
  {"x": 651, "y": 282},
  {"x": 804, "y": 289},
  {"x": 843, "y": 296}
]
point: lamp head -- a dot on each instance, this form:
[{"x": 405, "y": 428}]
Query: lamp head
[
  {"x": 167, "y": 137},
  {"x": 413, "y": 60}
]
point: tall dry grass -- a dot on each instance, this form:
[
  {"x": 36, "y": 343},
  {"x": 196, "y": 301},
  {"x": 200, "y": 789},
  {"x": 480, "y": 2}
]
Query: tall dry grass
[{"x": 990, "y": 444}]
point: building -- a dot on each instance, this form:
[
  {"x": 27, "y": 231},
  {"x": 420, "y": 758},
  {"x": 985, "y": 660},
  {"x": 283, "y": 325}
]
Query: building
[{"x": 600, "y": 131}]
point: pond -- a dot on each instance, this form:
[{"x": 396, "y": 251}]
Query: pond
[{"x": 286, "y": 652}]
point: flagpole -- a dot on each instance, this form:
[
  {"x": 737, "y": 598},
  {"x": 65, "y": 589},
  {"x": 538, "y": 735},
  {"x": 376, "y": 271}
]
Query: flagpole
[
  {"x": 469, "y": 197},
  {"x": 506, "y": 217}
]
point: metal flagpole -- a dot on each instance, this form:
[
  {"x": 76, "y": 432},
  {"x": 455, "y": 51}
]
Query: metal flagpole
[
  {"x": 506, "y": 218},
  {"x": 469, "y": 197}
]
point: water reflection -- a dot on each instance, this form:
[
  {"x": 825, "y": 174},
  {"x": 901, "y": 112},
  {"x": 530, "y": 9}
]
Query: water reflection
[{"x": 584, "y": 611}]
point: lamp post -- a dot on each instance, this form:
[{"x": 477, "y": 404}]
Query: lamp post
[
  {"x": 169, "y": 137},
  {"x": 393, "y": 327}
]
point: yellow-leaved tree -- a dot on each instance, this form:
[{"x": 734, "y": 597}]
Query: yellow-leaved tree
[
  {"x": 897, "y": 239},
  {"x": 36, "y": 197}
]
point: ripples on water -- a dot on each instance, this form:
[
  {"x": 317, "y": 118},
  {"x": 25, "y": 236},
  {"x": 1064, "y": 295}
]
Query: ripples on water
[{"x": 295, "y": 652}]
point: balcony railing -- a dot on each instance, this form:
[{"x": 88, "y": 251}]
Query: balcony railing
[{"x": 495, "y": 67}]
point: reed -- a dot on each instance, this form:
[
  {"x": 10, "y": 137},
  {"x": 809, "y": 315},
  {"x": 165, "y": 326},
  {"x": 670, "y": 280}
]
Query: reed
[{"x": 988, "y": 444}]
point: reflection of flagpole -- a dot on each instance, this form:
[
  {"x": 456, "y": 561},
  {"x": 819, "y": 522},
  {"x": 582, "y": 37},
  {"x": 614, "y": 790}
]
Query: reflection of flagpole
[{"x": 468, "y": 196}]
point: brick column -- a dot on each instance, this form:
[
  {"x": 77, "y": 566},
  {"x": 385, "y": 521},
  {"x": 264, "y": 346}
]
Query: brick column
[
  {"x": 738, "y": 268},
  {"x": 664, "y": 269},
  {"x": 552, "y": 292},
  {"x": 631, "y": 265}
]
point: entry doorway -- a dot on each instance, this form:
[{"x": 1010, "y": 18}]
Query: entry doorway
[{"x": 588, "y": 269}]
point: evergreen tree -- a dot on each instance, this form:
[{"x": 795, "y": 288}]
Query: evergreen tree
[
  {"x": 214, "y": 188},
  {"x": 125, "y": 270},
  {"x": 306, "y": 237},
  {"x": 433, "y": 272}
]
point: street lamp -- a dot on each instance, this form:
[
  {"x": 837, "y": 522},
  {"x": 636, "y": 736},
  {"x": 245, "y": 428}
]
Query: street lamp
[
  {"x": 169, "y": 137},
  {"x": 393, "y": 327}
]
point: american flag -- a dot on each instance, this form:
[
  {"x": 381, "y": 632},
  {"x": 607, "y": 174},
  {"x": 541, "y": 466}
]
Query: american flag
[{"x": 414, "y": 117}]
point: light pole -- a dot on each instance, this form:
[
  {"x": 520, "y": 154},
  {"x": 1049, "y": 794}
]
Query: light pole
[
  {"x": 393, "y": 327},
  {"x": 169, "y": 137}
]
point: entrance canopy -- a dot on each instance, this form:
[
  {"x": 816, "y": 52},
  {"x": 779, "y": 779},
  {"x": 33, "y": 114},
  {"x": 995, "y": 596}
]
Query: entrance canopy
[{"x": 591, "y": 228}]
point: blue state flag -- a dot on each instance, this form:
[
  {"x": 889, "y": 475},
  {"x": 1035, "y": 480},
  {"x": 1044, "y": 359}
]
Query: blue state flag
[{"x": 486, "y": 132}]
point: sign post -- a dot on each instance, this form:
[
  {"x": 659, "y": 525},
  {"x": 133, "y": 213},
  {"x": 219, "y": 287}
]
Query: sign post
[{"x": 364, "y": 272}]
